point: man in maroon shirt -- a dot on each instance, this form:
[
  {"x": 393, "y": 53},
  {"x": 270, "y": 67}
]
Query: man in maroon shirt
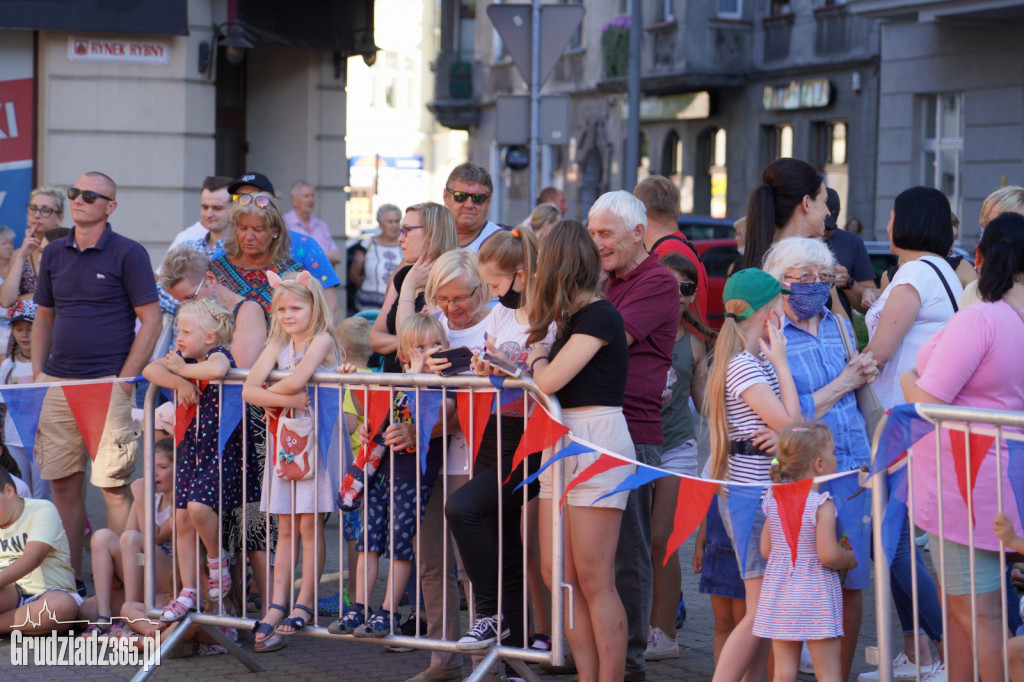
[{"x": 647, "y": 296}]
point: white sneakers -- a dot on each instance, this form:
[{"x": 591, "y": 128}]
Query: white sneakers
[
  {"x": 903, "y": 669},
  {"x": 659, "y": 646}
]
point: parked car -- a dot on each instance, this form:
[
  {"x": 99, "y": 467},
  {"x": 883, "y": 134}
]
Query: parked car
[
  {"x": 882, "y": 259},
  {"x": 702, "y": 227},
  {"x": 717, "y": 255}
]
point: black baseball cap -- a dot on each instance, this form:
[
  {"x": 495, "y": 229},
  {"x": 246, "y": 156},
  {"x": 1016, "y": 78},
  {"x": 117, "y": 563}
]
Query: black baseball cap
[
  {"x": 256, "y": 179},
  {"x": 833, "y": 208}
]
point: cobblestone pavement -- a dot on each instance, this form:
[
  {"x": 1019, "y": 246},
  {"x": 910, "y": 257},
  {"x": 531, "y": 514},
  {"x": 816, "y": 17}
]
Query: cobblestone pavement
[{"x": 310, "y": 659}]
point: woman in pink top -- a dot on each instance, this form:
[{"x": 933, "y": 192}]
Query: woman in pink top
[{"x": 975, "y": 361}]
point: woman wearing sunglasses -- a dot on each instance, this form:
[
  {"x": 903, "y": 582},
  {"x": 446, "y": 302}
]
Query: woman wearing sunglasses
[
  {"x": 257, "y": 241},
  {"x": 44, "y": 211},
  {"x": 826, "y": 378}
]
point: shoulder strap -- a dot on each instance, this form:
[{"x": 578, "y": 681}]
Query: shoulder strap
[
  {"x": 844, "y": 336},
  {"x": 945, "y": 284},
  {"x": 678, "y": 237}
]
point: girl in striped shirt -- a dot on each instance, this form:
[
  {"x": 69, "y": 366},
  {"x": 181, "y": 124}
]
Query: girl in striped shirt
[{"x": 751, "y": 397}]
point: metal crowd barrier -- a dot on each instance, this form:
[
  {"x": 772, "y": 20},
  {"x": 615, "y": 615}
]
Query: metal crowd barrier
[
  {"x": 413, "y": 385},
  {"x": 968, "y": 421}
]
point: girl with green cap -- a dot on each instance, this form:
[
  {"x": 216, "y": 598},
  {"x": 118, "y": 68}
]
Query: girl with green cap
[{"x": 751, "y": 397}]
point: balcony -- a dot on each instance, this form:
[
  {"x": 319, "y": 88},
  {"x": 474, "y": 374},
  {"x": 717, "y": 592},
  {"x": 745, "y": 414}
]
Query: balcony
[
  {"x": 778, "y": 31},
  {"x": 832, "y": 32},
  {"x": 455, "y": 104}
]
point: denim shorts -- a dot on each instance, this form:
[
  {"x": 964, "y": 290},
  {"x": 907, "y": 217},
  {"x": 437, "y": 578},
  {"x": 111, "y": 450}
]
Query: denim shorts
[
  {"x": 755, "y": 564},
  {"x": 958, "y": 567},
  {"x": 720, "y": 573}
]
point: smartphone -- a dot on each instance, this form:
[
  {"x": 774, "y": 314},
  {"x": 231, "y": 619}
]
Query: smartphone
[
  {"x": 459, "y": 356},
  {"x": 507, "y": 366}
]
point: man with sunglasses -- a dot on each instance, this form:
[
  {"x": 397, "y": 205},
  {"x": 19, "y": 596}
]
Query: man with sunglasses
[
  {"x": 467, "y": 194},
  {"x": 304, "y": 249},
  {"x": 92, "y": 285}
]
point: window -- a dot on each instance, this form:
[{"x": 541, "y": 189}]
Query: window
[
  {"x": 777, "y": 7},
  {"x": 576, "y": 41},
  {"x": 719, "y": 176},
  {"x": 777, "y": 141},
  {"x": 730, "y": 9},
  {"x": 830, "y": 158},
  {"x": 942, "y": 144},
  {"x": 671, "y": 155},
  {"x": 665, "y": 11}
]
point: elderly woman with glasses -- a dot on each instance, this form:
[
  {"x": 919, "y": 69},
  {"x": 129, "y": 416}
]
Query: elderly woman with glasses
[
  {"x": 44, "y": 211},
  {"x": 427, "y": 231},
  {"x": 825, "y": 378},
  {"x": 257, "y": 241}
]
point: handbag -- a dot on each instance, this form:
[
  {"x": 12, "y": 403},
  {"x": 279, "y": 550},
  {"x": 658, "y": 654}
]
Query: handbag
[
  {"x": 867, "y": 400},
  {"x": 294, "y": 455}
]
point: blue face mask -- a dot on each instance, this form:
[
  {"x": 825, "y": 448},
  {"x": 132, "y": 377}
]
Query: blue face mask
[{"x": 808, "y": 300}]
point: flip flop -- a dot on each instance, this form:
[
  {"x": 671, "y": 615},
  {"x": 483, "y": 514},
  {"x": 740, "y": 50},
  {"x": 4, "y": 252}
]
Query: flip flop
[{"x": 297, "y": 622}]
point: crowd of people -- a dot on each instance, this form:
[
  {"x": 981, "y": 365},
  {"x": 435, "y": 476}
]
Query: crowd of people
[{"x": 609, "y": 317}]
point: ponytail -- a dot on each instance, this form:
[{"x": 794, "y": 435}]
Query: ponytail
[
  {"x": 1002, "y": 248},
  {"x": 784, "y": 184},
  {"x": 760, "y": 227},
  {"x": 729, "y": 344}
]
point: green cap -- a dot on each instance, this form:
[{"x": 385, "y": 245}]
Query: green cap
[{"x": 754, "y": 286}]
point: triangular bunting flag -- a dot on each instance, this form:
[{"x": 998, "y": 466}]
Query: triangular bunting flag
[
  {"x": 1014, "y": 471},
  {"x": 185, "y": 413},
  {"x": 89, "y": 404},
  {"x": 695, "y": 496},
  {"x": 744, "y": 501},
  {"x": 573, "y": 448},
  {"x": 979, "y": 445},
  {"x": 230, "y": 413},
  {"x": 377, "y": 411},
  {"x": 474, "y": 411},
  {"x": 903, "y": 428},
  {"x": 327, "y": 400},
  {"x": 601, "y": 465},
  {"x": 426, "y": 418},
  {"x": 642, "y": 476},
  {"x": 24, "y": 406},
  {"x": 541, "y": 432},
  {"x": 895, "y": 513},
  {"x": 853, "y": 506},
  {"x": 791, "y": 500}
]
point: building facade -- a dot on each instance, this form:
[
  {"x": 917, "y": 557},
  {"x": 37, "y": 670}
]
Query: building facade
[
  {"x": 170, "y": 91},
  {"x": 951, "y": 101},
  {"x": 726, "y": 87}
]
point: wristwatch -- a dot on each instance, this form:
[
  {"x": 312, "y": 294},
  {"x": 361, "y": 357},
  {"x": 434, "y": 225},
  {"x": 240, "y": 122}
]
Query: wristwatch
[{"x": 849, "y": 285}]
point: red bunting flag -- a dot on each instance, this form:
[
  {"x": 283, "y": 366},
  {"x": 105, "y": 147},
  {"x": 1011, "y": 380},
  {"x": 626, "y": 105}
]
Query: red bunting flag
[
  {"x": 477, "y": 415},
  {"x": 377, "y": 413},
  {"x": 601, "y": 465},
  {"x": 791, "y": 499},
  {"x": 980, "y": 443},
  {"x": 184, "y": 414},
  {"x": 541, "y": 432},
  {"x": 89, "y": 404},
  {"x": 695, "y": 496}
]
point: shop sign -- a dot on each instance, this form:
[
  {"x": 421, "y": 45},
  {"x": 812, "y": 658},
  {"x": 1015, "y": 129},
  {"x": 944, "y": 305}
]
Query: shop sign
[
  {"x": 123, "y": 50},
  {"x": 813, "y": 94},
  {"x": 685, "y": 106}
]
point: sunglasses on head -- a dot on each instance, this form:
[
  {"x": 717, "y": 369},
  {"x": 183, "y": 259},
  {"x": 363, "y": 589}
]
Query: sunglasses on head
[
  {"x": 687, "y": 288},
  {"x": 460, "y": 197},
  {"x": 88, "y": 196},
  {"x": 262, "y": 202}
]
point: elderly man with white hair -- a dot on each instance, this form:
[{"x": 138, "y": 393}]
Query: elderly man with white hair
[
  {"x": 647, "y": 296},
  {"x": 826, "y": 379}
]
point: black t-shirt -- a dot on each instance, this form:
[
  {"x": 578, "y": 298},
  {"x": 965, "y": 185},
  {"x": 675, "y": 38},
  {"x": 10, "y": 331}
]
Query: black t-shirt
[
  {"x": 850, "y": 252},
  {"x": 391, "y": 363},
  {"x": 602, "y": 381}
]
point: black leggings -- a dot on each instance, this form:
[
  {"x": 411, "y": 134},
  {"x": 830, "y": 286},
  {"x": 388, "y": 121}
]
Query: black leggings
[{"x": 472, "y": 513}]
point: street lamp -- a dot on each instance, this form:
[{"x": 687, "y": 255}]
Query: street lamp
[{"x": 234, "y": 42}]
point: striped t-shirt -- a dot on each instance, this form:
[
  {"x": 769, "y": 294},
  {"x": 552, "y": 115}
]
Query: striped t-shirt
[{"x": 745, "y": 370}]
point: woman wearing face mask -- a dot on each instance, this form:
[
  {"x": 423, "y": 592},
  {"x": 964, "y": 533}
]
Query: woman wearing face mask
[{"x": 825, "y": 380}]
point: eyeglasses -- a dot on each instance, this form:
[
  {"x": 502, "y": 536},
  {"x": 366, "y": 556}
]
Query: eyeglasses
[
  {"x": 44, "y": 211},
  {"x": 687, "y": 288},
  {"x": 196, "y": 293},
  {"x": 460, "y": 197},
  {"x": 88, "y": 196},
  {"x": 406, "y": 229},
  {"x": 808, "y": 278},
  {"x": 458, "y": 301},
  {"x": 243, "y": 199}
]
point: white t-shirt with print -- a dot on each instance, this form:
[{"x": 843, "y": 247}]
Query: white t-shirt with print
[{"x": 459, "y": 460}]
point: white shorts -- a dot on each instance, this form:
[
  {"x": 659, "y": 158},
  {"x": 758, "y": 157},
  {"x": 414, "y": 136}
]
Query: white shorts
[
  {"x": 681, "y": 459},
  {"x": 603, "y": 426}
]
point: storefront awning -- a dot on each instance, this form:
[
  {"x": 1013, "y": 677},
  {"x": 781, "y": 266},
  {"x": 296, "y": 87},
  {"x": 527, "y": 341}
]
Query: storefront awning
[
  {"x": 157, "y": 17},
  {"x": 345, "y": 27}
]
